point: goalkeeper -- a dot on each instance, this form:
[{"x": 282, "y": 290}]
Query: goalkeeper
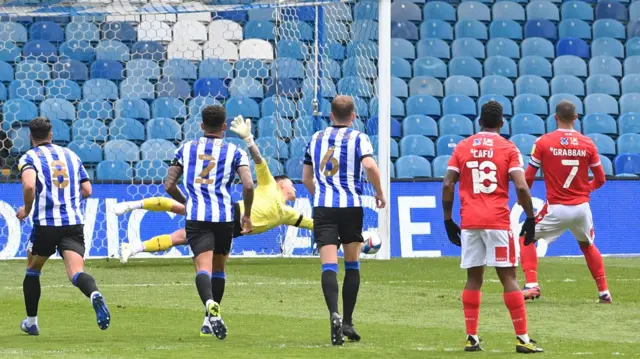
[{"x": 269, "y": 207}]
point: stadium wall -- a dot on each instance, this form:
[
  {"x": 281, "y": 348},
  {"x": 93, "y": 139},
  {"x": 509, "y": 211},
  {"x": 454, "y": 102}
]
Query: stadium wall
[{"x": 416, "y": 222}]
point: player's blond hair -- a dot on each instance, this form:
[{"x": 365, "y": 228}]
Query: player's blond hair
[{"x": 342, "y": 108}]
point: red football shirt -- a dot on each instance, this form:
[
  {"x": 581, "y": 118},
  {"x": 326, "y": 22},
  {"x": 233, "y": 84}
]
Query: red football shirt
[
  {"x": 484, "y": 162},
  {"x": 565, "y": 157}
]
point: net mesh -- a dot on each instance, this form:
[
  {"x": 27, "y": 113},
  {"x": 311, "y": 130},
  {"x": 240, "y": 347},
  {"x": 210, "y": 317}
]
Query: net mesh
[{"x": 124, "y": 84}]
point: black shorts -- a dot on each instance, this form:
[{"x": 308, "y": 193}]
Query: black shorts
[
  {"x": 46, "y": 239},
  {"x": 337, "y": 225},
  {"x": 209, "y": 236},
  {"x": 237, "y": 225}
]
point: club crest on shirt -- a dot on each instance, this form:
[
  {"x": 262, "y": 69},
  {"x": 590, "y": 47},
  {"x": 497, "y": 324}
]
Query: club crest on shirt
[
  {"x": 477, "y": 141},
  {"x": 564, "y": 141}
]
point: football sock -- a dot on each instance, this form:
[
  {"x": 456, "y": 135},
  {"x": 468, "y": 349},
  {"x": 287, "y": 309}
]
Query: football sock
[
  {"x": 206, "y": 322},
  {"x": 218, "y": 280},
  {"x": 350, "y": 288},
  {"x": 31, "y": 291},
  {"x": 515, "y": 303},
  {"x": 203, "y": 283},
  {"x": 596, "y": 266},
  {"x": 32, "y": 321},
  {"x": 330, "y": 286},
  {"x": 157, "y": 204},
  {"x": 529, "y": 262},
  {"x": 471, "y": 306},
  {"x": 158, "y": 243},
  {"x": 85, "y": 283}
]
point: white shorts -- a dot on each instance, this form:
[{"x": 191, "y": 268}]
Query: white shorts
[
  {"x": 490, "y": 247},
  {"x": 555, "y": 219}
]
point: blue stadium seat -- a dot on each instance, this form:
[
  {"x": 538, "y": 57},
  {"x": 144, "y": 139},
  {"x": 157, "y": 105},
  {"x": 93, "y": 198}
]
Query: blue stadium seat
[
  {"x": 505, "y": 102},
  {"x": 530, "y": 103},
  {"x": 455, "y": 125},
  {"x": 574, "y": 28},
  {"x": 303, "y": 30},
  {"x": 254, "y": 68},
  {"x": 143, "y": 68},
  {"x": 630, "y": 84},
  {"x": 260, "y": 29},
  {"x": 126, "y": 129},
  {"x": 567, "y": 84},
  {"x": 605, "y": 84},
  {"x": 164, "y": 128},
  {"x": 404, "y": 30},
  {"x": 471, "y": 29},
  {"x": 611, "y": 10},
  {"x": 535, "y": 65},
  {"x": 604, "y": 144},
  {"x": 180, "y": 68},
  {"x": 461, "y": 85},
  {"x": 537, "y": 46},
  {"x": 107, "y": 69},
  {"x": 420, "y": 125},
  {"x": 86, "y": 31},
  {"x": 149, "y": 50},
  {"x": 473, "y": 10},
  {"x": 282, "y": 87},
  {"x": 299, "y": 143},
  {"x": 397, "y": 107},
  {"x": 394, "y": 149},
  {"x": 120, "y": 30},
  {"x": 197, "y": 104},
  {"x": 112, "y": 50},
  {"x": 71, "y": 70},
  {"x": 114, "y": 171},
  {"x": 366, "y": 10},
  {"x": 10, "y": 52},
  {"x": 293, "y": 168},
  {"x": 328, "y": 68},
  {"x": 210, "y": 87},
  {"x": 439, "y": 10},
  {"x": 296, "y": 50},
  {"x": 627, "y": 143},
  {"x": 540, "y": 28},
  {"x": 364, "y": 30},
  {"x": 507, "y": 10},
  {"x": 424, "y": 85},
  {"x": 609, "y": 28},
  {"x": 58, "y": 109},
  {"x": 524, "y": 142},
  {"x": 468, "y": 47},
  {"x": 31, "y": 70},
  {"x": 348, "y": 85},
  {"x": 46, "y": 30},
  {"x": 88, "y": 129},
  {"x": 362, "y": 106},
  {"x": 399, "y": 47},
  {"x": 412, "y": 167},
  {"x": 262, "y": 14},
  {"x": 12, "y": 31},
  {"x": 606, "y": 46},
  {"x": 458, "y": 104},
  {"x": 634, "y": 11},
  {"x": 436, "y": 29},
  {"x": 496, "y": 85},
  {"x": 446, "y": 143},
  {"x": 600, "y": 103},
  {"x": 20, "y": 141},
  {"x": 305, "y": 107},
  {"x": 580, "y": 10},
  {"x": 532, "y": 84},
  {"x": 632, "y": 46},
  {"x": 405, "y": 11},
  {"x": 151, "y": 170},
  {"x": 78, "y": 50},
  {"x": 433, "y": 47},
  {"x": 423, "y": 105},
  {"x": 555, "y": 99},
  {"x": 552, "y": 124},
  {"x": 543, "y": 10},
  {"x": 504, "y": 130},
  {"x": 137, "y": 87},
  {"x": 3, "y": 92},
  {"x": 304, "y": 126},
  {"x": 629, "y": 122},
  {"x": 291, "y": 68},
  {"x": 500, "y": 65},
  {"x": 358, "y": 66},
  {"x": 569, "y": 65},
  {"x": 608, "y": 65},
  {"x": 63, "y": 89},
  {"x": 440, "y": 166},
  {"x": 417, "y": 145},
  {"x": 505, "y": 29},
  {"x": 134, "y": 108},
  {"x": 465, "y": 66},
  {"x": 503, "y": 47},
  {"x": 525, "y": 123},
  {"x": 191, "y": 129},
  {"x": 273, "y": 147},
  {"x": 216, "y": 69},
  {"x": 40, "y": 50},
  {"x": 273, "y": 105},
  {"x": 173, "y": 87},
  {"x": 573, "y": 47},
  {"x": 631, "y": 66},
  {"x": 26, "y": 89},
  {"x": 161, "y": 150},
  {"x": 61, "y": 132},
  {"x": 607, "y": 166},
  {"x": 88, "y": 151},
  {"x": 275, "y": 167},
  {"x": 96, "y": 109},
  {"x": 430, "y": 66},
  {"x": 599, "y": 123},
  {"x": 270, "y": 126},
  {"x": 18, "y": 110},
  {"x": 627, "y": 163}
]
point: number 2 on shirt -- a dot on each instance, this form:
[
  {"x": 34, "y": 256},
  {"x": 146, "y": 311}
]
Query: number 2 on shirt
[
  {"x": 204, "y": 175},
  {"x": 574, "y": 170}
]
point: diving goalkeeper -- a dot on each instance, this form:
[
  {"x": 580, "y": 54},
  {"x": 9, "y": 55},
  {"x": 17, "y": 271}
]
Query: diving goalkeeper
[{"x": 269, "y": 206}]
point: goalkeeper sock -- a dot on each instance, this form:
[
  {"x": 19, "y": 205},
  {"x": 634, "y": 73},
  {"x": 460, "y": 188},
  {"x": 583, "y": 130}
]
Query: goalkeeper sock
[
  {"x": 218, "y": 280},
  {"x": 330, "y": 286},
  {"x": 529, "y": 262},
  {"x": 157, "y": 204},
  {"x": 31, "y": 291},
  {"x": 596, "y": 266},
  {"x": 85, "y": 283},
  {"x": 515, "y": 303},
  {"x": 471, "y": 306},
  {"x": 350, "y": 288},
  {"x": 158, "y": 243},
  {"x": 203, "y": 284}
]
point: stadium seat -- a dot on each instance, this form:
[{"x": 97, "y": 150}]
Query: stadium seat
[
  {"x": 399, "y": 47},
  {"x": 304, "y": 126},
  {"x": 164, "y": 128},
  {"x": 609, "y": 28},
  {"x": 552, "y": 124},
  {"x": 78, "y": 50},
  {"x": 628, "y": 143},
  {"x": 524, "y": 142},
  {"x": 273, "y": 127},
  {"x": 424, "y": 85},
  {"x": 471, "y": 29},
  {"x": 40, "y": 50},
  {"x": 143, "y": 68},
  {"x": 31, "y": 70},
  {"x": 215, "y": 68},
  {"x": 10, "y": 52},
  {"x": 505, "y": 131},
  {"x": 496, "y": 85},
  {"x": 278, "y": 105},
  {"x": 630, "y": 84},
  {"x": 151, "y": 170},
  {"x": 198, "y": 103},
  {"x": 540, "y": 28},
  {"x": 465, "y": 66},
  {"x": 503, "y": 47},
  {"x": 112, "y": 50},
  {"x": 458, "y": 104},
  {"x": 362, "y": 106},
  {"x": 305, "y": 107},
  {"x": 161, "y": 150},
  {"x": 293, "y": 168},
  {"x": 251, "y": 68},
  {"x": 246, "y": 86},
  {"x": 31, "y": 90},
  {"x": 543, "y": 10},
  {"x": 505, "y": 102},
  {"x": 606, "y": 46},
  {"x": 532, "y": 84},
  {"x": 627, "y": 163},
  {"x": 60, "y": 132},
  {"x": 567, "y": 84},
  {"x": 455, "y": 125},
  {"x": 572, "y": 46},
  {"x": 440, "y": 166},
  {"x": 530, "y": 103},
  {"x": 505, "y": 29},
  {"x": 430, "y": 66},
  {"x": 574, "y": 28},
  {"x": 535, "y": 65},
  {"x": 631, "y": 66},
  {"x": 364, "y": 30},
  {"x": 607, "y": 166},
  {"x": 348, "y": 85},
  {"x": 179, "y": 68},
  {"x": 569, "y": 65},
  {"x": 148, "y": 50},
  {"x": 436, "y": 29},
  {"x": 420, "y": 125},
  {"x": 96, "y": 109},
  {"x": 467, "y": 47},
  {"x": 70, "y": 70},
  {"x": 461, "y": 85},
  {"x": 18, "y": 110},
  {"x": 119, "y": 30},
  {"x": 629, "y": 123},
  {"x": 273, "y": 147},
  {"x": 107, "y": 69},
  {"x": 557, "y": 98},
  {"x": 439, "y": 10},
  {"x": 397, "y": 107},
  {"x": 114, "y": 171},
  {"x": 580, "y": 10},
  {"x": 88, "y": 129},
  {"x": 405, "y": 11},
  {"x": 58, "y": 109},
  {"x": 137, "y": 87},
  {"x": 20, "y": 141},
  {"x": 83, "y": 31},
  {"x": 632, "y": 46},
  {"x": 63, "y": 89},
  {"x": 605, "y": 84},
  {"x": 366, "y": 10},
  {"x": 604, "y": 144},
  {"x": 600, "y": 103},
  {"x": 433, "y": 47},
  {"x": 527, "y": 124},
  {"x": 358, "y": 66},
  {"x": 607, "y": 65},
  {"x": 412, "y": 167},
  {"x": 404, "y": 30},
  {"x": 88, "y": 151},
  {"x": 507, "y": 10},
  {"x": 191, "y": 129},
  {"x": 292, "y": 68},
  {"x": 3, "y": 92},
  {"x": 210, "y": 87},
  {"x": 473, "y": 10},
  {"x": 599, "y": 123},
  {"x": 184, "y": 49},
  {"x": 12, "y": 31},
  {"x": 500, "y": 65},
  {"x": 423, "y": 105},
  {"x": 537, "y": 46},
  {"x": 126, "y": 129},
  {"x": 134, "y": 108},
  {"x": 446, "y": 143},
  {"x": 229, "y": 30}
]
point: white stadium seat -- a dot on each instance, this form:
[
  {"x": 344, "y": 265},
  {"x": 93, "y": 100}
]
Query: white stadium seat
[
  {"x": 220, "y": 49},
  {"x": 256, "y": 49},
  {"x": 225, "y": 30},
  {"x": 184, "y": 49},
  {"x": 189, "y": 30},
  {"x": 154, "y": 31}
]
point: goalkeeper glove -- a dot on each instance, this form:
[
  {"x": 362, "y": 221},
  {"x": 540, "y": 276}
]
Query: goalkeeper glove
[
  {"x": 453, "y": 232},
  {"x": 529, "y": 231},
  {"x": 242, "y": 128}
]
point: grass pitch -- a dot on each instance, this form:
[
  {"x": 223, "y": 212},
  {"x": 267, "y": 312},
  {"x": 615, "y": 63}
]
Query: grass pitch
[{"x": 407, "y": 308}]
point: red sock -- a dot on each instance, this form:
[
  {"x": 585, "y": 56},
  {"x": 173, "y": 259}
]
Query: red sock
[
  {"x": 595, "y": 264},
  {"x": 515, "y": 303},
  {"x": 529, "y": 261},
  {"x": 471, "y": 306}
]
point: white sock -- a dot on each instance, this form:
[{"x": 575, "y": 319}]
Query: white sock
[
  {"x": 94, "y": 294},
  {"x": 137, "y": 248},
  {"x": 32, "y": 320},
  {"x": 524, "y": 338},
  {"x": 475, "y": 337},
  {"x": 531, "y": 285},
  {"x": 206, "y": 323},
  {"x": 206, "y": 305},
  {"x": 604, "y": 292},
  {"x": 136, "y": 204}
]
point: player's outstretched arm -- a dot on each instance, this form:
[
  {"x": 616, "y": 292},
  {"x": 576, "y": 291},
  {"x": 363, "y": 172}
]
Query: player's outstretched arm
[
  {"x": 373, "y": 175},
  {"x": 242, "y": 128},
  {"x": 171, "y": 183}
]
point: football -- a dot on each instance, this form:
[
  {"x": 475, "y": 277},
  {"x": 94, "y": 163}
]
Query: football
[{"x": 372, "y": 242}]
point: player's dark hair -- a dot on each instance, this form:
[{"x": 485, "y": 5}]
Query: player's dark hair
[
  {"x": 491, "y": 114},
  {"x": 342, "y": 108},
  {"x": 280, "y": 178},
  {"x": 566, "y": 111},
  {"x": 40, "y": 128},
  {"x": 214, "y": 117}
]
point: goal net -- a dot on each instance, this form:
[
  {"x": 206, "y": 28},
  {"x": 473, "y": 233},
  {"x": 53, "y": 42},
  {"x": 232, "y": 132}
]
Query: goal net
[{"x": 124, "y": 83}]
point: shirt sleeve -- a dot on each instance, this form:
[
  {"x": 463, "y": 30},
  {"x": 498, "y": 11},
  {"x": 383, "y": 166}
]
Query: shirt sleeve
[
  {"x": 594, "y": 159},
  {"x": 263, "y": 174},
  {"x": 177, "y": 160},
  {"x": 454, "y": 164},
  {"x": 25, "y": 162},
  {"x": 307, "y": 155},
  {"x": 364, "y": 148},
  {"x": 241, "y": 158},
  {"x": 536, "y": 153},
  {"x": 515, "y": 160},
  {"x": 82, "y": 172},
  {"x": 294, "y": 218}
]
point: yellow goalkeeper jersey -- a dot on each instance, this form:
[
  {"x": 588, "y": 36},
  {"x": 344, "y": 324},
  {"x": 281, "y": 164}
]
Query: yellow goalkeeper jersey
[{"x": 269, "y": 208}]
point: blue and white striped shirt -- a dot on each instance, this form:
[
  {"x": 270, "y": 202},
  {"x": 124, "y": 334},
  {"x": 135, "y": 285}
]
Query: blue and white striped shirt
[
  {"x": 59, "y": 173},
  {"x": 209, "y": 170},
  {"x": 335, "y": 154}
]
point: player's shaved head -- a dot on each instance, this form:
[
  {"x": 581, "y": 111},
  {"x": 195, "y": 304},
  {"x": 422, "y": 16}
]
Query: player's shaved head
[
  {"x": 566, "y": 111},
  {"x": 214, "y": 117},
  {"x": 40, "y": 128},
  {"x": 342, "y": 110},
  {"x": 491, "y": 115}
]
